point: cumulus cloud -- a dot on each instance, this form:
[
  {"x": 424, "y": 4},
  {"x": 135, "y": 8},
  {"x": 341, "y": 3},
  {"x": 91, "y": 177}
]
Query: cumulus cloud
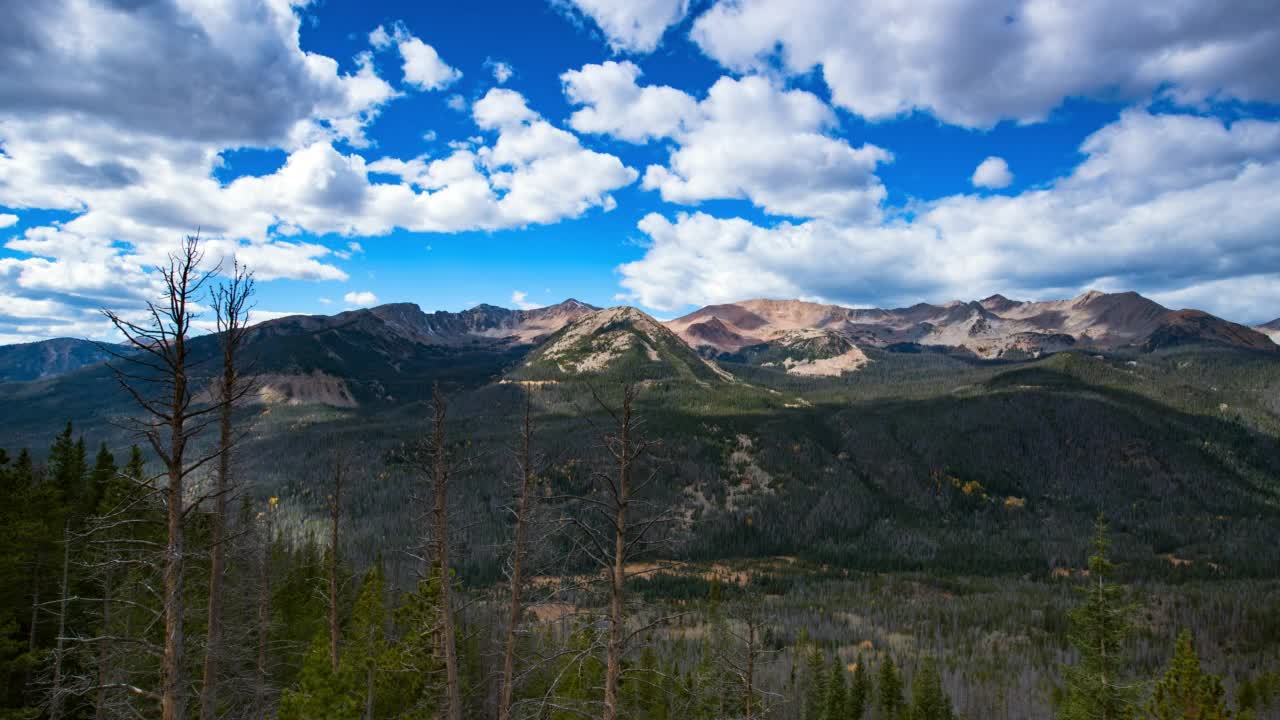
[
  {"x": 202, "y": 68},
  {"x": 422, "y": 65},
  {"x": 8, "y": 220},
  {"x": 794, "y": 165},
  {"x": 992, "y": 173},
  {"x": 971, "y": 63},
  {"x": 132, "y": 187},
  {"x": 362, "y": 298},
  {"x": 1111, "y": 223},
  {"x": 615, "y": 104},
  {"x": 635, "y": 26}
]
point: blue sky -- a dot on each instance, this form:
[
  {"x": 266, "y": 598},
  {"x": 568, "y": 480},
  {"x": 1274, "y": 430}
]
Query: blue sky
[{"x": 662, "y": 153}]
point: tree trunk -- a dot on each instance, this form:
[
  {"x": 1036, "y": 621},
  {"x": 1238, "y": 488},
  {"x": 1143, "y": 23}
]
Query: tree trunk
[
  {"x": 104, "y": 647},
  {"x": 57, "y": 698},
  {"x": 751, "y": 669},
  {"x": 264, "y": 623},
  {"x": 335, "y": 514},
  {"x": 32, "y": 635},
  {"x": 514, "y": 611},
  {"x": 440, "y": 472},
  {"x": 613, "y": 664},
  {"x": 172, "y": 706},
  {"x": 213, "y": 644},
  {"x": 368, "y": 694}
]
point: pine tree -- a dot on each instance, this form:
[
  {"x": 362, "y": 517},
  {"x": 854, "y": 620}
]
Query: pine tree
[
  {"x": 67, "y": 469},
  {"x": 366, "y": 639},
  {"x": 835, "y": 706},
  {"x": 1186, "y": 692},
  {"x": 412, "y": 667},
  {"x": 1096, "y": 688},
  {"x": 815, "y": 683},
  {"x": 928, "y": 700},
  {"x": 859, "y": 691},
  {"x": 321, "y": 694},
  {"x": 892, "y": 705}
]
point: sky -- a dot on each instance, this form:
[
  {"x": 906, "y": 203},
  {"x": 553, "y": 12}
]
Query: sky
[{"x": 662, "y": 153}]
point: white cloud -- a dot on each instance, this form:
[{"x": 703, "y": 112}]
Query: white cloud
[
  {"x": 202, "y": 64},
  {"x": 630, "y": 25},
  {"x": 1111, "y": 223},
  {"x": 325, "y": 301},
  {"x": 614, "y": 104},
  {"x": 520, "y": 299},
  {"x": 747, "y": 139},
  {"x": 423, "y": 67},
  {"x": 456, "y": 102},
  {"x": 973, "y": 63},
  {"x": 992, "y": 173},
  {"x": 8, "y": 220},
  {"x": 134, "y": 186},
  {"x": 502, "y": 71},
  {"x": 360, "y": 299}
]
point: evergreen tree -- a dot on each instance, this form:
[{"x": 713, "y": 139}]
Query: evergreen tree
[
  {"x": 928, "y": 700},
  {"x": 366, "y": 640},
  {"x": 321, "y": 694},
  {"x": 892, "y": 705},
  {"x": 1096, "y": 688},
  {"x": 815, "y": 683},
  {"x": 411, "y": 668},
  {"x": 67, "y": 469},
  {"x": 1186, "y": 692},
  {"x": 835, "y": 706},
  {"x": 100, "y": 480},
  {"x": 859, "y": 691}
]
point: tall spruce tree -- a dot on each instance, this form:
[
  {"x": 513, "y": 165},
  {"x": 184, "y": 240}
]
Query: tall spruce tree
[
  {"x": 859, "y": 690},
  {"x": 835, "y": 706},
  {"x": 928, "y": 700},
  {"x": 1097, "y": 688},
  {"x": 1186, "y": 692},
  {"x": 815, "y": 674},
  {"x": 891, "y": 703}
]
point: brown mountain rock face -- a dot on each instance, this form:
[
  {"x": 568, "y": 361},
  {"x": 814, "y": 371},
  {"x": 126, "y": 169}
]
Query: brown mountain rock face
[{"x": 994, "y": 327}]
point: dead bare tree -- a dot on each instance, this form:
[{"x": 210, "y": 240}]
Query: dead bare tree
[
  {"x": 440, "y": 514},
  {"x": 616, "y": 524},
  {"x": 156, "y": 373},
  {"x": 231, "y": 310},
  {"x": 266, "y": 536},
  {"x": 527, "y": 478},
  {"x": 57, "y": 700},
  {"x": 744, "y": 624},
  {"x": 335, "y": 521}
]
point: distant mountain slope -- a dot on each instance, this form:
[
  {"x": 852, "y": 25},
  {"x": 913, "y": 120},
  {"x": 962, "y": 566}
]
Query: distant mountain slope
[
  {"x": 388, "y": 353},
  {"x": 995, "y": 327},
  {"x": 620, "y": 341},
  {"x": 807, "y": 352},
  {"x": 48, "y": 358},
  {"x": 1271, "y": 330},
  {"x": 482, "y": 324}
]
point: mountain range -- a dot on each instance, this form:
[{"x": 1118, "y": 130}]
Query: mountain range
[
  {"x": 802, "y": 338},
  {"x": 899, "y": 438}
]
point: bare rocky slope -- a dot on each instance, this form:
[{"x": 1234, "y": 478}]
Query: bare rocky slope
[{"x": 995, "y": 327}]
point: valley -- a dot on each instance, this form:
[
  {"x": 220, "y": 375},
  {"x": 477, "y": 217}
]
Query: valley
[{"x": 906, "y": 483}]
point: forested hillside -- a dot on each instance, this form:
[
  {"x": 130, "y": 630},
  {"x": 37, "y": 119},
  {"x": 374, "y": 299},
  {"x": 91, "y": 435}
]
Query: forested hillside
[{"x": 395, "y": 514}]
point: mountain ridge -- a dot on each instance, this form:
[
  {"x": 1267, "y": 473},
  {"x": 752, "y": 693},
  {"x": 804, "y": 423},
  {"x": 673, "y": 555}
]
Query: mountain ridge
[{"x": 995, "y": 327}]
